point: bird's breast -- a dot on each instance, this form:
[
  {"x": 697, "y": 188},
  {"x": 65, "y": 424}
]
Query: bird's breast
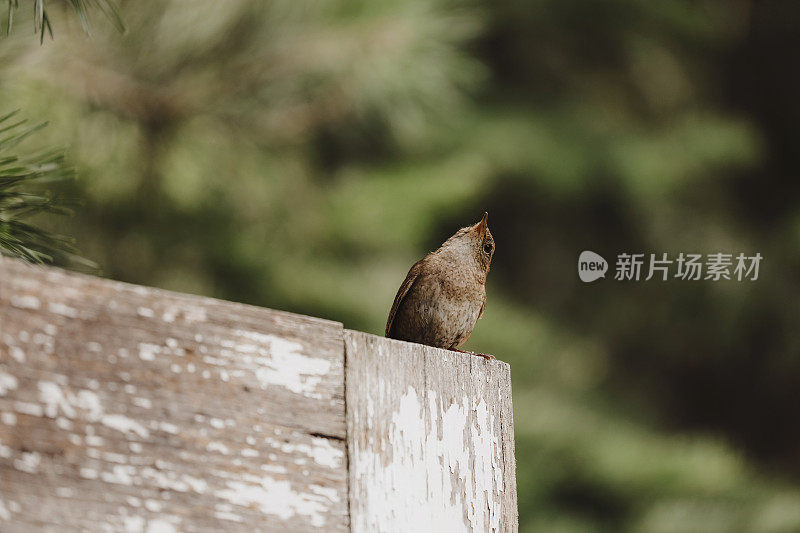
[{"x": 440, "y": 309}]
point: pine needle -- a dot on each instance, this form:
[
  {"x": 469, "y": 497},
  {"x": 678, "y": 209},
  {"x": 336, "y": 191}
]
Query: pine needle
[
  {"x": 23, "y": 195},
  {"x": 41, "y": 18}
]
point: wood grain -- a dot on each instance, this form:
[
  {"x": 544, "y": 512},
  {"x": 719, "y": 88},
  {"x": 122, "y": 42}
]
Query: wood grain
[
  {"x": 124, "y": 408},
  {"x": 430, "y": 439}
]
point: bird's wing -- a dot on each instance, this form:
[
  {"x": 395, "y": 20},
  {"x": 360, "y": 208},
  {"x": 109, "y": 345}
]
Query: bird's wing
[
  {"x": 411, "y": 277},
  {"x": 483, "y": 308}
]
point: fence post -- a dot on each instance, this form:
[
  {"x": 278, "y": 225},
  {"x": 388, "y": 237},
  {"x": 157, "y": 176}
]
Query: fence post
[{"x": 430, "y": 439}]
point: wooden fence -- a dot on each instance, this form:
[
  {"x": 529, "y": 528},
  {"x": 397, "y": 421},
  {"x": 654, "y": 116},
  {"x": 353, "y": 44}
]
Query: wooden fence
[{"x": 126, "y": 408}]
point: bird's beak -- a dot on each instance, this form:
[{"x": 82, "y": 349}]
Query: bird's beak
[{"x": 483, "y": 224}]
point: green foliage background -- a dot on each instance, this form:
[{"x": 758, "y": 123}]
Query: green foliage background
[{"x": 302, "y": 156}]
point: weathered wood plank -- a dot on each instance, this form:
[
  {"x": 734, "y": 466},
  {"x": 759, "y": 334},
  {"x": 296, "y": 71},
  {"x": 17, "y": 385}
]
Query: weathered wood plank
[
  {"x": 126, "y": 408},
  {"x": 430, "y": 439}
]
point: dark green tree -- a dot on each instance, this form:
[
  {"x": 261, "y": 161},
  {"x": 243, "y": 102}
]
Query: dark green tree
[{"x": 24, "y": 180}]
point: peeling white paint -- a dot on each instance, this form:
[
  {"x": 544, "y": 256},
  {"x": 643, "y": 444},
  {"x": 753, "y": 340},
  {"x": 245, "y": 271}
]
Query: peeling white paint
[
  {"x": 7, "y": 383},
  {"x": 214, "y": 446},
  {"x": 321, "y": 450},
  {"x": 274, "y": 469},
  {"x": 169, "y": 428},
  {"x": 94, "y": 440},
  {"x": 27, "y": 408},
  {"x": 284, "y": 365},
  {"x": 144, "y": 403},
  {"x": 89, "y": 473},
  {"x": 168, "y": 479},
  {"x": 56, "y": 400},
  {"x": 112, "y": 457},
  {"x": 152, "y": 506},
  {"x": 231, "y": 517},
  {"x": 120, "y": 475},
  {"x": 160, "y": 525},
  {"x": 326, "y": 492},
  {"x": 438, "y": 458},
  {"x": 124, "y": 424},
  {"x": 17, "y": 354},
  {"x": 65, "y": 492},
  {"x": 195, "y": 314},
  {"x": 133, "y": 501},
  {"x": 4, "y": 513},
  {"x": 5, "y": 451},
  {"x": 63, "y": 310},
  {"x": 200, "y": 486},
  {"x": 133, "y": 524},
  {"x": 147, "y": 351},
  {"x": 215, "y": 361},
  {"x": 274, "y": 497},
  {"x": 53, "y": 399},
  {"x": 90, "y": 402},
  {"x": 28, "y": 462}
]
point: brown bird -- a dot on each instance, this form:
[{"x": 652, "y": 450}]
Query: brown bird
[{"x": 444, "y": 294}]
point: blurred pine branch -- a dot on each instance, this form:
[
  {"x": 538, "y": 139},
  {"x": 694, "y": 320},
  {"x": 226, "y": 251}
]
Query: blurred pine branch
[
  {"x": 21, "y": 197},
  {"x": 41, "y": 16},
  {"x": 21, "y": 193}
]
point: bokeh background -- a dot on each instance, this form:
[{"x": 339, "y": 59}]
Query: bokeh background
[{"x": 302, "y": 155}]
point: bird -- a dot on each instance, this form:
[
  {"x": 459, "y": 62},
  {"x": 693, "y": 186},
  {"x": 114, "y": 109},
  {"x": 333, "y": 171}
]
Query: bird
[{"x": 444, "y": 294}]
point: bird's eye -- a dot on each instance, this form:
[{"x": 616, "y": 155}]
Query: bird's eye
[{"x": 487, "y": 248}]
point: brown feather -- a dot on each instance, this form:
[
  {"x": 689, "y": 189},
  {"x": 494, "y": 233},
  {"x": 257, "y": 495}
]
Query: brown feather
[{"x": 401, "y": 293}]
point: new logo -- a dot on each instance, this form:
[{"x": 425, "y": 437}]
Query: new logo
[{"x": 591, "y": 266}]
